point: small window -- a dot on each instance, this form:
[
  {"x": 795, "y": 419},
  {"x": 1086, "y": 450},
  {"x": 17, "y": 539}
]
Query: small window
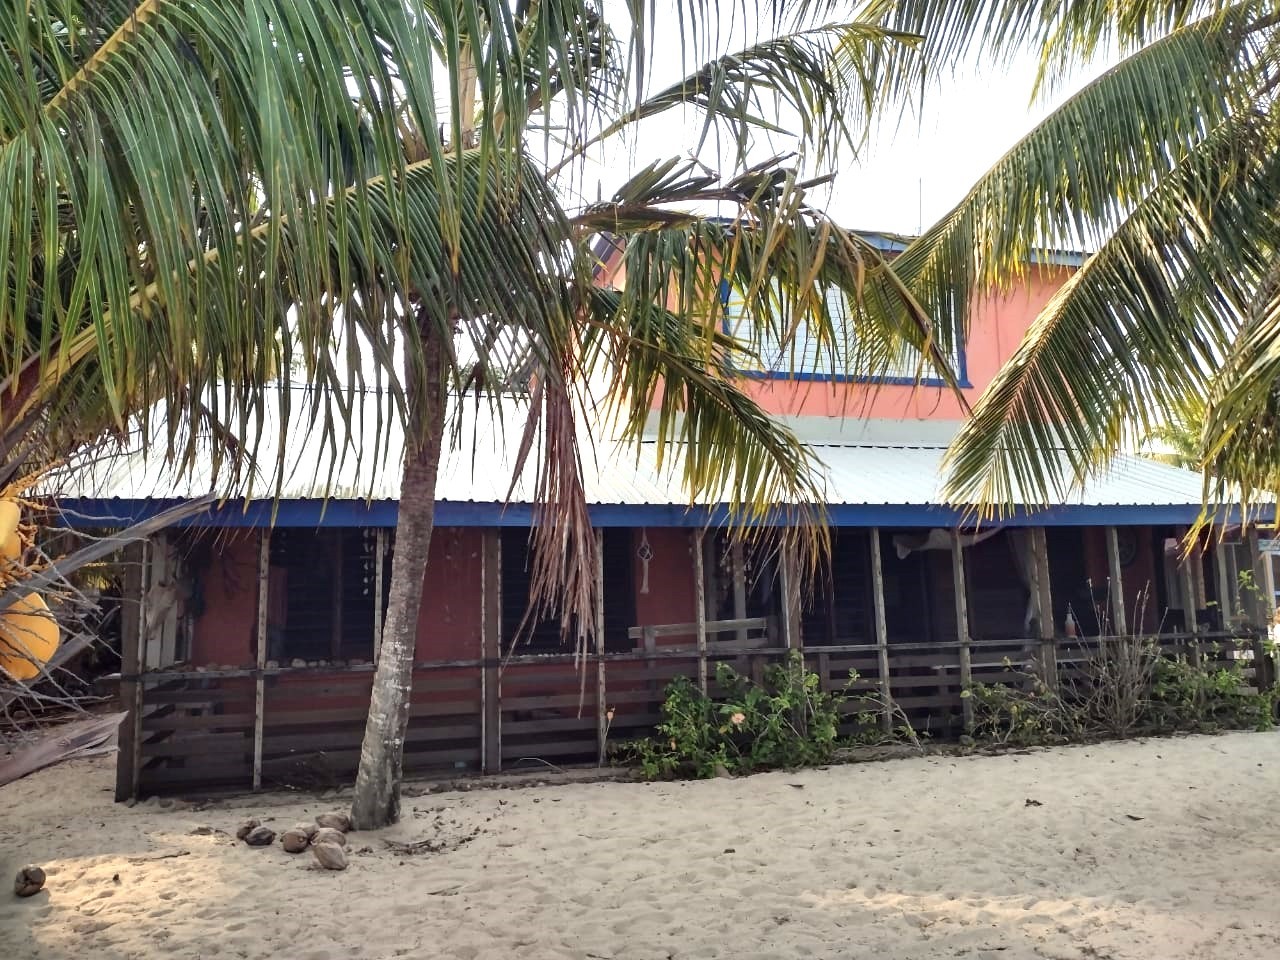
[
  {"x": 544, "y": 635},
  {"x": 322, "y": 594},
  {"x": 804, "y": 356},
  {"x": 838, "y": 610}
]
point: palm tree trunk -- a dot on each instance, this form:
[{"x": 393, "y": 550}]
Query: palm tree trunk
[{"x": 377, "y": 794}]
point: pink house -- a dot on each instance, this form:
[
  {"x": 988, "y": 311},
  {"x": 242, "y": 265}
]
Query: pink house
[{"x": 262, "y": 675}]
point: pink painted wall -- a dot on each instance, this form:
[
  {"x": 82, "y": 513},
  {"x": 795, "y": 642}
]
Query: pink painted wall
[
  {"x": 1139, "y": 576},
  {"x": 450, "y": 619},
  {"x": 998, "y": 323},
  {"x": 671, "y": 597},
  {"x": 224, "y": 633},
  {"x": 448, "y": 625}
]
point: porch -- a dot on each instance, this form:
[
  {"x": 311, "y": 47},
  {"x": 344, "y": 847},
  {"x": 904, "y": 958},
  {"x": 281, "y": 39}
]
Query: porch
[{"x": 263, "y": 677}]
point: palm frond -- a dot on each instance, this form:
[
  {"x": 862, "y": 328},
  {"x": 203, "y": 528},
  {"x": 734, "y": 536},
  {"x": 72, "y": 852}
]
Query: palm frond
[
  {"x": 1134, "y": 334},
  {"x": 1075, "y": 178}
]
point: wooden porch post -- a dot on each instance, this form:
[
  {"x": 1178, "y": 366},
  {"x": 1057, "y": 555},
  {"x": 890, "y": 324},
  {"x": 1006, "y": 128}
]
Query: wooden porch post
[
  {"x": 1223, "y": 587},
  {"x": 379, "y": 564},
  {"x": 738, "y": 563},
  {"x": 882, "y": 631},
  {"x": 700, "y": 603},
  {"x": 1186, "y": 579},
  {"x": 602, "y": 719},
  {"x": 259, "y": 682},
  {"x": 129, "y": 754},
  {"x": 1259, "y": 606},
  {"x": 1044, "y": 600},
  {"x": 491, "y": 650},
  {"x": 1258, "y": 603},
  {"x": 1268, "y": 585},
  {"x": 962, "y": 628},
  {"x": 789, "y": 580},
  {"x": 1119, "y": 624}
]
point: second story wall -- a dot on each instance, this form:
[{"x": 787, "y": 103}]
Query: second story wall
[{"x": 998, "y": 324}]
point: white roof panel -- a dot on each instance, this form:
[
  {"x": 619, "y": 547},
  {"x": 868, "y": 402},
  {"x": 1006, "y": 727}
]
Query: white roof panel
[{"x": 864, "y": 466}]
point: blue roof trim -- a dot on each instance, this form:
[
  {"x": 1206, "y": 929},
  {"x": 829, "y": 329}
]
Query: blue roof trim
[
  {"x": 382, "y": 513},
  {"x": 896, "y": 243},
  {"x": 963, "y": 382}
]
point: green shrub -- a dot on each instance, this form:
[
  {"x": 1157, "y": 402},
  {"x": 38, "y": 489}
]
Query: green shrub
[
  {"x": 1188, "y": 696},
  {"x": 1126, "y": 686},
  {"x": 1021, "y": 715},
  {"x": 786, "y": 721}
]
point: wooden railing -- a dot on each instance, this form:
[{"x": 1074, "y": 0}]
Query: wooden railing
[
  {"x": 197, "y": 727},
  {"x": 648, "y": 636}
]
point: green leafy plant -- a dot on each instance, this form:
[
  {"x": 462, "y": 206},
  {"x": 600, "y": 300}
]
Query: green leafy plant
[
  {"x": 1186, "y": 695},
  {"x": 787, "y": 720},
  {"x": 1021, "y": 715},
  {"x": 1123, "y": 686}
]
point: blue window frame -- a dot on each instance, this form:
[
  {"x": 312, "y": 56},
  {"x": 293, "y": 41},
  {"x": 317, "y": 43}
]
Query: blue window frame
[{"x": 803, "y": 361}]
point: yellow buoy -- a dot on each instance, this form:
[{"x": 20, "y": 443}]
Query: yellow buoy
[
  {"x": 28, "y": 637},
  {"x": 10, "y": 542}
]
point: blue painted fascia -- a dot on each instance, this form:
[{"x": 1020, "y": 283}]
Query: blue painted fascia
[{"x": 382, "y": 513}]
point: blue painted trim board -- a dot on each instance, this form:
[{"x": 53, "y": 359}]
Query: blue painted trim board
[{"x": 382, "y": 513}]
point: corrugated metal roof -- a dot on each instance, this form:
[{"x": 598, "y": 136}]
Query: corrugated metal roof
[{"x": 863, "y": 464}]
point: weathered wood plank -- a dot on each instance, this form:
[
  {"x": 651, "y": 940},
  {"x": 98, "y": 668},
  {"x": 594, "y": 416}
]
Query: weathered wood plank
[
  {"x": 1043, "y": 586},
  {"x": 259, "y": 691},
  {"x": 962, "y": 627},
  {"x": 739, "y": 569},
  {"x": 700, "y": 608},
  {"x": 691, "y": 629},
  {"x": 602, "y": 719},
  {"x": 882, "y": 631},
  {"x": 491, "y": 651},
  {"x": 128, "y": 757},
  {"x": 1119, "y": 619}
]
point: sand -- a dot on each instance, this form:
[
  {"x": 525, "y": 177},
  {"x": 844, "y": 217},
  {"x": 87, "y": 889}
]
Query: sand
[{"x": 1158, "y": 849}]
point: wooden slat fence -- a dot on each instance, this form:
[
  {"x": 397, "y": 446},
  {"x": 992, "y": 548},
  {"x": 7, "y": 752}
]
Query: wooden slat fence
[{"x": 196, "y": 731}]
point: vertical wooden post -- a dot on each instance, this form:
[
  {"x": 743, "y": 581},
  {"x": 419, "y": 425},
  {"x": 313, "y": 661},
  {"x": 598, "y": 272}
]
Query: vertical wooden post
[
  {"x": 1044, "y": 600},
  {"x": 1119, "y": 622},
  {"x": 602, "y": 718},
  {"x": 131, "y": 691},
  {"x": 1257, "y": 603},
  {"x": 1268, "y": 585},
  {"x": 379, "y": 572},
  {"x": 259, "y": 678},
  {"x": 1259, "y": 607},
  {"x": 962, "y": 629},
  {"x": 700, "y": 604},
  {"x": 882, "y": 631},
  {"x": 162, "y": 646},
  {"x": 790, "y": 582},
  {"x": 738, "y": 562},
  {"x": 1224, "y": 589},
  {"x": 491, "y": 650},
  {"x": 1186, "y": 579}
]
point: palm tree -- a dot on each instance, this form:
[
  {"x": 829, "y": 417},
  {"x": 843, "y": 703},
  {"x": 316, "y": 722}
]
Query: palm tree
[
  {"x": 1166, "y": 168},
  {"x": 1177, "y": 442},
  {"x": 657, "y": 344},
  {"x": 200, "y": 197}
]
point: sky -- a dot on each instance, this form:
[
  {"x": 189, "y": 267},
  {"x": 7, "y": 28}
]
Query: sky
[{"x": 913, "y": 170}]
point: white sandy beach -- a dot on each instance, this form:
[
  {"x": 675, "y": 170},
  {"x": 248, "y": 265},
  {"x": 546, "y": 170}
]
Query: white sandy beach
[{"x": 902, "y": 860}]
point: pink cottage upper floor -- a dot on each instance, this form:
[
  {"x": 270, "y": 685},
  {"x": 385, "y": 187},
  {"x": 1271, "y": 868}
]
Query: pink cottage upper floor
[{"x": 998, "y": 323}]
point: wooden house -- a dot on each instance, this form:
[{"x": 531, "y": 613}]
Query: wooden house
[{"x": 250, "y": 658}]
